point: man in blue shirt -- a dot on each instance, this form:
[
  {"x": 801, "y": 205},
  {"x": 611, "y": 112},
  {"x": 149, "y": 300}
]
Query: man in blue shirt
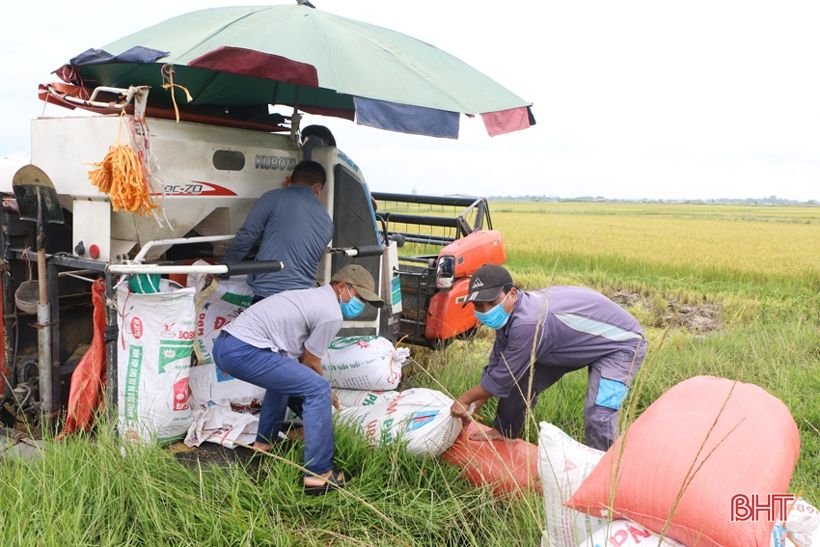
[
  {"x": 291, "y": 225},
  {"x": 542, "y": 335}
]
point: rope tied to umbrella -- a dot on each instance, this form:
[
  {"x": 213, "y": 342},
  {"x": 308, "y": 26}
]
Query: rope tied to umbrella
[{"x": 169, "y": 85}]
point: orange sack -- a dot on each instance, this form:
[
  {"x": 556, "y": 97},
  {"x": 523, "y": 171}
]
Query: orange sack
[
  {"x": 88, "y": 379},
  {"x": 508, "y": 466},
  {"x": 747, "y": 447}
]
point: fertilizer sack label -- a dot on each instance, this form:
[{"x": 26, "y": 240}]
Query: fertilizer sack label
[
  {"x": 563, "y": 464},
  {"x": 419, "y": 417},
  {"x": 625, "y": 533},
  {"x": 363, "y": 363},
  {"x": 174, "y": 354},
  {"x": 156, "y": 340},
  {"x": 217, "y": 305}
]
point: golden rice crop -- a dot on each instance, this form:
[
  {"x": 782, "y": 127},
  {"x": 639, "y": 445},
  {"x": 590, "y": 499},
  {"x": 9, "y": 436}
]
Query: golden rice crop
[{"x": 767, "y": 240}]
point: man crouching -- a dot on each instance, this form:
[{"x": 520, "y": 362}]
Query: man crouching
[
  {"x": 555, "y": 330},
  {"x": 278, "y": 344}
]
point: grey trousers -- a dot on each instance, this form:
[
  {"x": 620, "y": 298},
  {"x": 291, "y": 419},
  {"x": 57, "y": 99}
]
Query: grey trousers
[{"x": 600, "y": 422}]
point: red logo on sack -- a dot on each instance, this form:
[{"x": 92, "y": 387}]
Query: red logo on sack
[
  {"x": 181, "y": 394},
  {"x": 136, "y": 327},
  {"x": 620, "y": 537},
  {"x": 220, "y": 322},
  {"x": 200, "y": 324},
  {"x": 168, "y": 330}
]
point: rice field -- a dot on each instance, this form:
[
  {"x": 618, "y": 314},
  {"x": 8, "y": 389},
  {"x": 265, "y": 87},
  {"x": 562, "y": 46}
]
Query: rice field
[
  {"x": 772, "y": 241},
  {"x": 722, "y": 290}
]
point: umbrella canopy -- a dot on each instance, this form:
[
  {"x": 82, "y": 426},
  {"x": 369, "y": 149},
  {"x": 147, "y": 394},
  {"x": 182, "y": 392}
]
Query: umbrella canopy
[{"x": 238, "y": 60}]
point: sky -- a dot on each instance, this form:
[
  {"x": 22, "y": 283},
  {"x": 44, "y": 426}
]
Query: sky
[{"x": 633, "y": 99}]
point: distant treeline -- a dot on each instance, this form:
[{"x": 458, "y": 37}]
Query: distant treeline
[{"x": 771, "y": 200}]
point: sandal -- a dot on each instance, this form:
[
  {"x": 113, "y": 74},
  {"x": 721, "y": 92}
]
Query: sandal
[{"x": 334, "y": 481}]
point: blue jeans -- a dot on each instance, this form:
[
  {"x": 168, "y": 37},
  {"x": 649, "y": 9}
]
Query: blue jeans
[{"x": 283, "y": 378}]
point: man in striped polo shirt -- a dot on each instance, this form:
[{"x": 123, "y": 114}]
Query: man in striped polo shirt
[{"x": 556, "y": 330}]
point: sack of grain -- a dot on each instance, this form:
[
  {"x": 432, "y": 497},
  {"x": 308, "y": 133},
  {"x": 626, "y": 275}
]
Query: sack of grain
[
  {"x": 355, "y": 397},
  {"x": 507, "y": 466},
  {"x": 216, "y": 306},
  {"x": 563, "y": 464},
  {"x": 156, "y": 339},
  {"x": 419, "y": 417},
  {"x": 364, "y": 362},
  {"x": 711, "y": 424}
]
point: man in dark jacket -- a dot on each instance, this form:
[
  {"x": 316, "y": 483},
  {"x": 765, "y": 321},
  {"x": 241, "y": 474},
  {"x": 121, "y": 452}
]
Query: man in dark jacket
[
  {"x": 555, "y": 330},
  {"x": 291, "y": 225}
]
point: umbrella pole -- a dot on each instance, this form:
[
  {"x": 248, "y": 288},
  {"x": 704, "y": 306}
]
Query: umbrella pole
[{"x": 44, "y": 364}]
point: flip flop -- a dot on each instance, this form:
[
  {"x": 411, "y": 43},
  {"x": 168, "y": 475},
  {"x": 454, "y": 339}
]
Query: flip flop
[
  {"x": 336, "y": 480},
  {"x": 279, "y": 446}
]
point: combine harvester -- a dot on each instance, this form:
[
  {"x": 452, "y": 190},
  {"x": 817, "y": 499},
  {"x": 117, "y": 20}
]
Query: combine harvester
[
  {"x": 208, "y": 159},
  {"x": 212, "y": 177}
]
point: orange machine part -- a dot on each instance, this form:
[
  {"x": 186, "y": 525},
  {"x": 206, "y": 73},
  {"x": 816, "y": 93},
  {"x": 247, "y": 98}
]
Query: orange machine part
[
  {"x": 446, "y": 316},
  {"x": 509, "y": 466},
  {"x": 475, "y": 250}
]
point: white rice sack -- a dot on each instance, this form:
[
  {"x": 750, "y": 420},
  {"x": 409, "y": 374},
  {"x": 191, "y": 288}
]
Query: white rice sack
[
  {"x": 363, "y": 362},
  {"x": 210, "y": 385},
  {"x": 355, "y": 397},
  {"x": 802, "y": 528},
  {"x": 563, "y": 464},
  {"x": 625, "y": 533},
  {"x": 216, "y": 306},
  {"x": 156, "y": 339},
  {"x": 419, "y": 417}
]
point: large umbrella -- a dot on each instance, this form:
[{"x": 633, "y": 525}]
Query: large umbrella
[{"x": 235, "y": 61}]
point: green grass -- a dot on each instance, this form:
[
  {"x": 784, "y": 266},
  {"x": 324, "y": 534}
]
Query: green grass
[
  {"x": 767, "y": 331},
  {"x": 85, "y": 492}
]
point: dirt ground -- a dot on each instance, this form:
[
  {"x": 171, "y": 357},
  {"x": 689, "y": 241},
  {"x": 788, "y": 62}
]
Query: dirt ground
[
  {"x": 214, "y": 454},
  {"x": 700, "y": 318}
]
